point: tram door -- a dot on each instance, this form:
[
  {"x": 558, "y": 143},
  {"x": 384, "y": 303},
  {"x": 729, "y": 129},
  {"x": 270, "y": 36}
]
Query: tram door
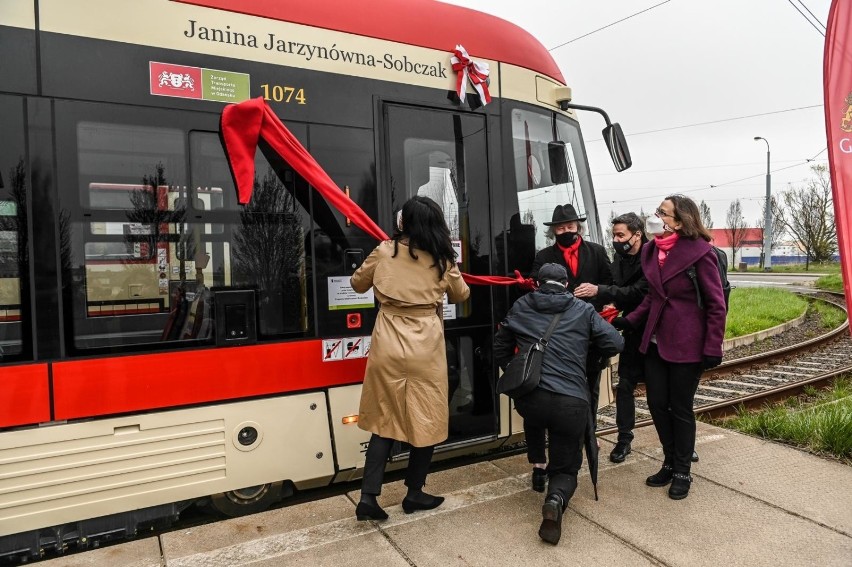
[{"x": 442, "y": 155}]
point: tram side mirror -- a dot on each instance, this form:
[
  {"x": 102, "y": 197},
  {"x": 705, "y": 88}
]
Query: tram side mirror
[
  {"x": 557, "y": 154},
  {"x": 235, "y": 317},
  {"x": 617, "y": 146}
]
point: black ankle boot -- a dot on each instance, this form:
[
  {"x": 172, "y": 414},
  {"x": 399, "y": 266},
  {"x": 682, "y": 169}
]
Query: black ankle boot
[
  {"x": 539, "y": 479},
  {"x": 551, "y": 519},
  {"x": 680, "y": 486},
  {"x": 420, "y": 501},
  {"x": 369, "y": 509},
  {"x": 662, "y": 478}
]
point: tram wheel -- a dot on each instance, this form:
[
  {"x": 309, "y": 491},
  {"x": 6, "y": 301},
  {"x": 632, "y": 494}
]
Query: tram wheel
[{"x": 249, "y": 500}]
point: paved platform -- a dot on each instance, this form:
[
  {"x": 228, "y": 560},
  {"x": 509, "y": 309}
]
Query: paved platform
[{"x": 752, "y": 503}]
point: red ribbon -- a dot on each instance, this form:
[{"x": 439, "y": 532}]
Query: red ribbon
[
  {"x": 469, "y": 70},
  {"x": 245, "y": 123},
  {"x": 609, "y": 314}
]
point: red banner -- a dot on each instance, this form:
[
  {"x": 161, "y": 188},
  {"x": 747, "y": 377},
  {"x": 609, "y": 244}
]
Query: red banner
[{"x": 837, "y": 82}]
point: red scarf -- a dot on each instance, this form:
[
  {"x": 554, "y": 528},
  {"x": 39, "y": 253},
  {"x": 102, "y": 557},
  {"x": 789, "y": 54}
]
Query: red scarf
[
  {"x": 664, "y": 245},
  {"x": 571, "y": 255}
]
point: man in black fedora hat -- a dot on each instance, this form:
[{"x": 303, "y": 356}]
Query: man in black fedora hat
[{"x": 585, "y": 262}]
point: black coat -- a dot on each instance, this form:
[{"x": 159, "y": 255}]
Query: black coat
[
  {"x": 629, "y": 285},
  {"x": 628, "y": 290},
  {"x": 593, "y": 267}
]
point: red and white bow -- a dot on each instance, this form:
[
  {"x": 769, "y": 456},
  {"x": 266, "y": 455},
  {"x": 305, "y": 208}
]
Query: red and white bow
[{"x": 469, "y": 70}]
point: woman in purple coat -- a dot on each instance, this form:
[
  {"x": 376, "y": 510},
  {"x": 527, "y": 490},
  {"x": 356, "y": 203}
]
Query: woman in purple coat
[{"x": 681, "y": 339}]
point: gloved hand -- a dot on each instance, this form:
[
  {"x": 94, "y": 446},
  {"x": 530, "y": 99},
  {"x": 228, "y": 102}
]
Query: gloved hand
[
  {"x": 621, "y": 324},
  {"x": 711, "y": 362}
]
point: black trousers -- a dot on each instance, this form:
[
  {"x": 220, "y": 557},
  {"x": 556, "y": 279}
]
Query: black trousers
[
  {"x": 671, "y": 392},
  {"x": 625, "y": 407},
  {"x": 565, "y": 419},
  {"x": 378, "y": 452},
  {"x": 536, "y": 437},
  {"x": 631, "y": 371}
]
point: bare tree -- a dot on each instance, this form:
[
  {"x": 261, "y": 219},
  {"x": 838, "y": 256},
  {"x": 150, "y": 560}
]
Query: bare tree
[
  {"x": 779, "y": 226},
  {"x": 706, "y": 219},
  {"x": 736, "y": 229},
  {"x": 610, "y": 251},
  {"x": 809, "y": 216}
]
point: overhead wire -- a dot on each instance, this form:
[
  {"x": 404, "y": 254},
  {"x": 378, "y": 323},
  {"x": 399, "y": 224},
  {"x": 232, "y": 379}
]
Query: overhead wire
[
  {"x": 817, "y": 20},
  {"x": 715, "y": 186},
  {"x": 819, "y": 31},
  {"x": 609, "y": 25},
  {"x": 715, "y": 121}
]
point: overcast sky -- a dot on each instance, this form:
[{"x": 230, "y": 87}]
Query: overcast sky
[{"x": 682, "y": 63}]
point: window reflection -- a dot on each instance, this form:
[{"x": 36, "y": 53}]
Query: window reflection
[
  {"x": 538, "y": 171},
  {"x": 269, "y": 254},
  {"x": 147, "y": 256},
  {"x": 13, "y": 258}
]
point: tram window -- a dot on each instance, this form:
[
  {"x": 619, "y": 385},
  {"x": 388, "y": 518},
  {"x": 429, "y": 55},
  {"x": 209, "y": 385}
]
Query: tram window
[
  {"x": 541, "y": 183},
  {"x": 14, "y": 290},
  {"x": 211, "y": 175},
  {"x": 130, "y": 167},
  {"x": 443, "y": 156},
  {"x": 148, "y": 251},
  {"x": 433, "y": 175}
]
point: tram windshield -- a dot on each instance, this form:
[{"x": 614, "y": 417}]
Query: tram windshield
[{"x": 550, "y": 170}]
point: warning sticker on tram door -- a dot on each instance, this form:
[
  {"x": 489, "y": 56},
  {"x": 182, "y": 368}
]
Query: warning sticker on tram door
[
  {"x": 352, "y": 348},
  {"x": 332, "y": 349}
]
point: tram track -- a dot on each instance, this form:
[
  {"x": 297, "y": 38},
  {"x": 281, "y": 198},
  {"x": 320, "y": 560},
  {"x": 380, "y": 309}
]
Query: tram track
[{"x": 757, "y": 379}]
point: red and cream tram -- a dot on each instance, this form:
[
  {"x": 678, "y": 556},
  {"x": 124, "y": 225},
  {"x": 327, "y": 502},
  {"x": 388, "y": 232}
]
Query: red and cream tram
[{"x": 161, "y": 343}]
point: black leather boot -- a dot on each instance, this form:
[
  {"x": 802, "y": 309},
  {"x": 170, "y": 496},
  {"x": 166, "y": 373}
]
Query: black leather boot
[
  {"x": 620, "y": 452},
  {"x": 680, "y": 486},
  {"x": 662, "y": 478},
  {"x": 551, "y": 522}
]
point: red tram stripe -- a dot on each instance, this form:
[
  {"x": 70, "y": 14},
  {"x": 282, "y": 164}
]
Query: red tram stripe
[
  {"x": 25, "y": 395},
  {"x": 104, "y": 386},
  {"x": 424, "y": 23}
]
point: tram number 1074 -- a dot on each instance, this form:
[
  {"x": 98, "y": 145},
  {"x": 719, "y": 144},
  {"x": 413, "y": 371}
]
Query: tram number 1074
[{"x": 277, "y": 93}]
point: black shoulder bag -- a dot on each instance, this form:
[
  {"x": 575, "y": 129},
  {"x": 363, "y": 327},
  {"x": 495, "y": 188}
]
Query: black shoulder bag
[{"x": 523, "y": 372}]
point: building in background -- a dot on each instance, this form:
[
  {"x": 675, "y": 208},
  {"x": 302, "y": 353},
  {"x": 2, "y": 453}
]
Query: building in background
[{"x": 748, "y": 250}]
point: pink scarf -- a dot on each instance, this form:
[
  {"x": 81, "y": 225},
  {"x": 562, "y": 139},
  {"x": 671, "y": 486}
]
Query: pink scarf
[{"x": 664, "y": 245}]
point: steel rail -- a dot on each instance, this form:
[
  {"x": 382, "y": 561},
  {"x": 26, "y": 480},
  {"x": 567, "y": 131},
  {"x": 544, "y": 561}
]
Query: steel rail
[{"x": 726, "y": 407}]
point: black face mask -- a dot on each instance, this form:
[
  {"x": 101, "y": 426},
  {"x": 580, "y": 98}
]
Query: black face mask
[
  {"x": 566, "y": 239},
  {"x": 621, "y": 248}
]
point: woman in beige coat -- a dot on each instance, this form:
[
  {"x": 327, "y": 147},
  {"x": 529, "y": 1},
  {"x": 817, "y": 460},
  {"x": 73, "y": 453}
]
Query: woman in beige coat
[{"x": 404, "y": 397}]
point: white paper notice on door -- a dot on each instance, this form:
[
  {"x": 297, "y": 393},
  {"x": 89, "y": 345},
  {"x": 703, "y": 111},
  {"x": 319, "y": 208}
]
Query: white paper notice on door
[{"x": 342, "y": 296}]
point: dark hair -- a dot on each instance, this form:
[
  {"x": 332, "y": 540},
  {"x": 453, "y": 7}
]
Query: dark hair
[
  {"x": 633, "y": 222},
  {"x": 424, "y": 225},
  {"x": 686, "y": 211}
]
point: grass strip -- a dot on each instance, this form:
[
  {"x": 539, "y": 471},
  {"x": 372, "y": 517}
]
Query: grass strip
[
  {"x": 818, "y": 420},
  {"x": 832, "y": 282},
  {"x": 754, "y": 309},
  {"x": 830, "y": 316}
]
